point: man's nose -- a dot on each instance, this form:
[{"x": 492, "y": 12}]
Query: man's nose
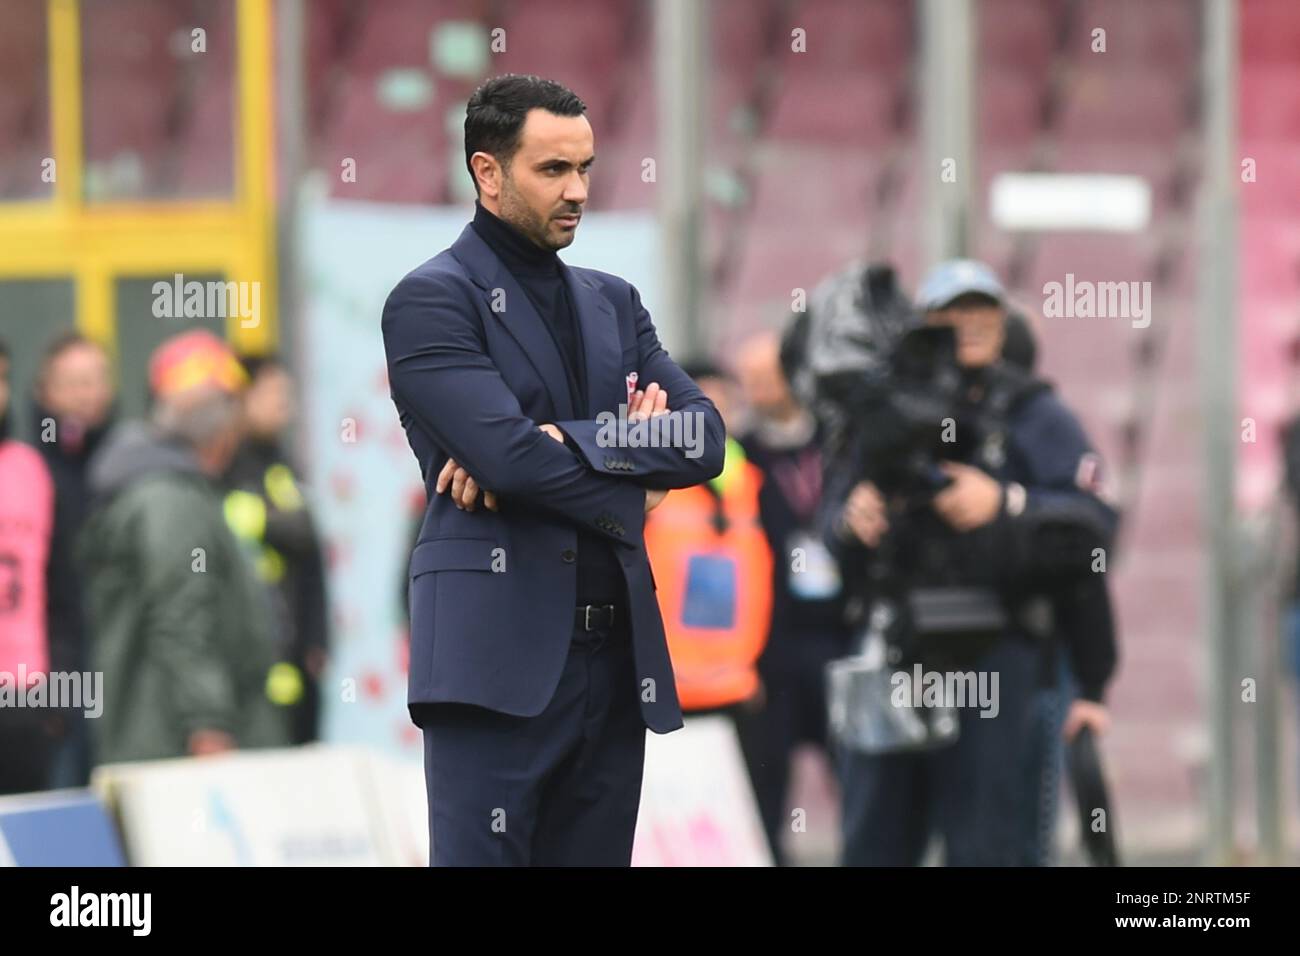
[{"x": 575, "y": 190}]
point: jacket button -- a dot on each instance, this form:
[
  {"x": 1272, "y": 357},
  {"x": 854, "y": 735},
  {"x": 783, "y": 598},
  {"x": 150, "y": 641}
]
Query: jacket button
[{"x": 568, "y": 555}]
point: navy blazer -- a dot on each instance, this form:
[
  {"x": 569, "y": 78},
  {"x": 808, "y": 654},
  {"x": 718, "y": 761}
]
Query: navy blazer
[{"x": 473, "y": 372}]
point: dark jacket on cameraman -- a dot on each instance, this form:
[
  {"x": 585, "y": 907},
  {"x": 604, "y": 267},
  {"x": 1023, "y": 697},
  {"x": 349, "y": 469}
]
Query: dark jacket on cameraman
[{"x": 1046, "y": 537}]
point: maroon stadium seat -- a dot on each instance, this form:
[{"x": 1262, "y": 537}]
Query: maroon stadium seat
[
  {"x": 1270, "y": 31},
  {"x": 800, "y": 190},
  {"x": 848, "y": 109},
  {"x": 589, "y": 45},
  {"x": 1269, "y": 100},
  {"x": 1010, "y": 107},
  {"x": 402, "y": 156},
  {"x": 1124, "y": 105},
  {"x": 1017, "y": 33},
  {"x": 398, "y": 33},
  {"x": 1154, "y": 33},
  {"x": 740, "y": 31},
  {"x": 1270, "y": 259},
  {"x": 1276, "y": 189},
  {"x": 874, "y": 35},
  {"x": 779, "y": 259}
]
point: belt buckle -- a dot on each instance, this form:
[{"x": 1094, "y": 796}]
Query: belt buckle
[{"x": 600, "y": 608}]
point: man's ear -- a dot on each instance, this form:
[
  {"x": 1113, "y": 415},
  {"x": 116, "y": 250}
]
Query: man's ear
[{"x": 487, "y": 173}]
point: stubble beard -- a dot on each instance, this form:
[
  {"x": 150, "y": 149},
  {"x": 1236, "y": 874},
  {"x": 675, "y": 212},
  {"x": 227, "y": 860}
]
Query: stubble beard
[{"x": 523, "y": 217}]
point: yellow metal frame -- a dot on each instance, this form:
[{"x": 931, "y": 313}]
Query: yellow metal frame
[{"x": 97, "y": 243}]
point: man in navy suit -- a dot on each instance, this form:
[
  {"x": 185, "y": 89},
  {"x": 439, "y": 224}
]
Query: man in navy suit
[{"x": 538, "y": 656}]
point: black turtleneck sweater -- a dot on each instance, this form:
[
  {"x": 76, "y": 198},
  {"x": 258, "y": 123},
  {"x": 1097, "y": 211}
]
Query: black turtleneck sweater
[{"x": 538, "y": 272}]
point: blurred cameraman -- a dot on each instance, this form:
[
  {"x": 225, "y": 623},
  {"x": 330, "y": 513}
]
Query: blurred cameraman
[{"x": 967, "y": 551}]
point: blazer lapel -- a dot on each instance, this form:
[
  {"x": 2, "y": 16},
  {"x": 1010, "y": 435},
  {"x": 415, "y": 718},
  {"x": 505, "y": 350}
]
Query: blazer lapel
[
  {"x": 508, "y": 302},
  {"x": 599, "y": 327}
]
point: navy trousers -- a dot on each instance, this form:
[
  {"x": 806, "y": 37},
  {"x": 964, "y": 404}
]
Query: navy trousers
[
  {"x": 973, "y": 793},
  {"x": 558, "y": 789}
]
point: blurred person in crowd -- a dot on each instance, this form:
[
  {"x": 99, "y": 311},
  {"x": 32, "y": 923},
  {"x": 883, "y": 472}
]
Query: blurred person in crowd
[
  {"x": 72, "y": 412},
  {"x": 1085, "y": 641},
  {"x": 180, "y": 626},
  {"x": 26, "y": 530},
  {"x": 1012, "y": 525},
  {"x": 807, "y": 621},
  {"x": 538, "y": 658},
  {"x": 266, "y": 508},
  {"x": 713, "y": 568}
]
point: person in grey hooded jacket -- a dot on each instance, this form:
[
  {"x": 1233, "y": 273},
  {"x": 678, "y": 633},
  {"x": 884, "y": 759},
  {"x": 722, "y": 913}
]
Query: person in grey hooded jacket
[{"x": 180, "y": 624}]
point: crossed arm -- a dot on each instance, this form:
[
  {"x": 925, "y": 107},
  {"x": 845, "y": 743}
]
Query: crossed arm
[
  {"x": 442, "y": 377},
  {"x": 648, "y": 403},
  {"x": 657, "y": 468}
]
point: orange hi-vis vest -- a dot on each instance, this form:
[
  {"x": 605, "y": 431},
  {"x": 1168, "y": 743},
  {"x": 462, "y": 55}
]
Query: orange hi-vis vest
[{"x": 713, "y": 568}]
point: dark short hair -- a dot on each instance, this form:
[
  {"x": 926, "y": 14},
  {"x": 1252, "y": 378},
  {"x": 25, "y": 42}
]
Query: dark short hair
[
  {"x": 255, "y": 365},
  {"x": 63, "y": 342},
  {"x": 496, "y": 112}
]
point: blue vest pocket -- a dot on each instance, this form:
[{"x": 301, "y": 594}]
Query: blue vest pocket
[{"x": 710, "y": 592}]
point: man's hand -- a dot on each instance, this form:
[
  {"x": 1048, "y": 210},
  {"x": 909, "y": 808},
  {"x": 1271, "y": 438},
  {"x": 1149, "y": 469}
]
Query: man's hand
[
  {"x": 205, "y": 742},
  {"x": 650, "y": 403},
  {"x": 864, "y": 514},
  {"x": 1085, "y": 713},
  {"x": 464, "y": 489},
  {"x": 971, "y": 501}
]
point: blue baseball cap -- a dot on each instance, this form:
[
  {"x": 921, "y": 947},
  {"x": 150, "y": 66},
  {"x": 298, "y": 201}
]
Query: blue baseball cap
[{"x": 956, "y": 277}]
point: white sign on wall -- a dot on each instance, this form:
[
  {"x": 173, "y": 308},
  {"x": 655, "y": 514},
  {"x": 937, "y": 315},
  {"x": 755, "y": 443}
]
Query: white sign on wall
[
  {"x": 303, "y": 807},
  {"x": 697, "y": 806}
]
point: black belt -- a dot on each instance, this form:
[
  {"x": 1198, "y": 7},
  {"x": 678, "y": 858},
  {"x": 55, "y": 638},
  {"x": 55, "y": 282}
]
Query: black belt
[{"x": 595, "y": 617}]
